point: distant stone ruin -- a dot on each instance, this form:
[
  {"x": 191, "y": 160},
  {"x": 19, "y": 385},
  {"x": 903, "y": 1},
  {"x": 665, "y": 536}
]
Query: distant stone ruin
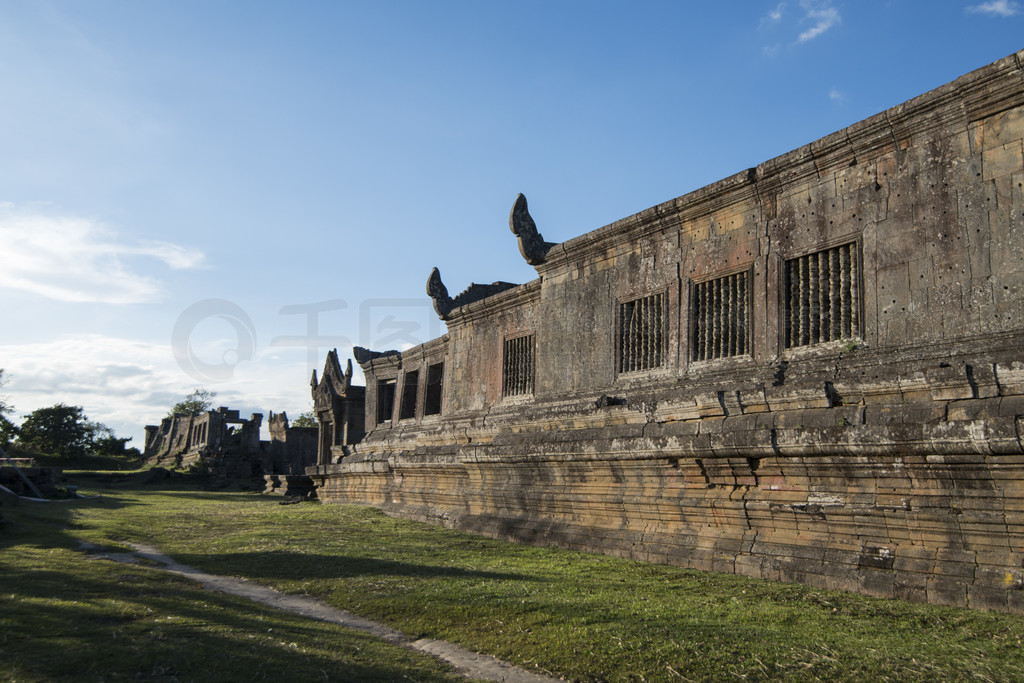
[
  {"x": 229, "y": 447},
  {"x": 810, "y": 371},
  {"x": 287, "y": 455}
]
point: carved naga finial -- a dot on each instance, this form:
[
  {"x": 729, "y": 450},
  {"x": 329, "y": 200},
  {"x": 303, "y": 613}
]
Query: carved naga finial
[
  {"x": 436, "y": 290},
  {"x": 531, "y": 244}
]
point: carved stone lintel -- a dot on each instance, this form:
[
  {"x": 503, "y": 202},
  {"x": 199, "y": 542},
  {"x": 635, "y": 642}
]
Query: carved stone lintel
[
  {"x": 436, "y": 290},
  {"x": 531, "y": 244}
]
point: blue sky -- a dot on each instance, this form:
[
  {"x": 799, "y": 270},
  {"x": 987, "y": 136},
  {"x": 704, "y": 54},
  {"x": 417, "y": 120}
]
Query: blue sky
[{"x": 216, "y": 193}]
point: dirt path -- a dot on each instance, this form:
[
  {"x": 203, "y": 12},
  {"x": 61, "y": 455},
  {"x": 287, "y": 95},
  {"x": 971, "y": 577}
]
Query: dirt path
[{"x": 472, "y": 664}]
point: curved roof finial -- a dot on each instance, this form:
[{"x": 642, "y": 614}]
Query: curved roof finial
[
  {"x": 436, "y": 290},
  {"x": 531, "y": 244}
]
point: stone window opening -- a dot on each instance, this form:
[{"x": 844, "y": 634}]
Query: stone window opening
[
  {"x": 432, "y": 396},
  {"x": 385, "y": 400},
  {"x": 407, "y": 410},
  {"x": 821, "y": 296},
  {"x": 517, "y": 366},
  {"x": 642, "y": 333},
  {"x": 720, "y": 317}
]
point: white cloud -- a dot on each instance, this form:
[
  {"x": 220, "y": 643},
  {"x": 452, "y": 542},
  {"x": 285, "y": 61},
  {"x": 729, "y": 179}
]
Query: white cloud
[
  {"x": 71, "y": 258},
  {"x": 818, "y": 17},
  {"x": 128, "y": 383},
  {"x": 824, "y": 17},
  {"x": 996, "y": 8},
  {"x": 774, "y": 16},
  {"x": 120, "y": 382},
  {"x": 836, "y": 95}
]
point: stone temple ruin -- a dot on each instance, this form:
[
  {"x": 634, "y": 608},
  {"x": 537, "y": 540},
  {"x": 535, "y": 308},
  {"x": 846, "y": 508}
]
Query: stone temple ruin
[
  {"x": 810, "y": 371},
  {"x": 229, "y": 447}
]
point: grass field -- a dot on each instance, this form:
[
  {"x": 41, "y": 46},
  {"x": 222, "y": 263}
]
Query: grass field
[{"x": 577, "y": 615}]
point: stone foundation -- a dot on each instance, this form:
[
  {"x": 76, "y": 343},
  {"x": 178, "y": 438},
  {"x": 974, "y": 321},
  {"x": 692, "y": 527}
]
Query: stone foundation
[
  {"x": 289, "y": 485},
  {"x": 912, "y": 494},
  {"x": 46, "y": 479}
]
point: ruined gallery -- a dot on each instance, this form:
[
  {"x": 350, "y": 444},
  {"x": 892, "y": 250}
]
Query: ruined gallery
[{"x": 810, "y": 371}]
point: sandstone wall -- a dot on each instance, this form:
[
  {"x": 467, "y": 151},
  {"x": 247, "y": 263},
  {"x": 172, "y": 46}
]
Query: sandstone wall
[{"x": 887, "y": 458}]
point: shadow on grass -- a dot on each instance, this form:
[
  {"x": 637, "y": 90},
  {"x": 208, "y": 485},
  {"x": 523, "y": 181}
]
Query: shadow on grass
[
  {"x": 101, "y": 620},
  {"x": 46, "y": 524},
  {"x": 179, "y": 485},
  {"x": 282, "y": 564}
]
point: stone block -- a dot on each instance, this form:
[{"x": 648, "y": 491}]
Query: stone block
[
  {"x": 1002, "y": 161},
  {"x": 973, "y": 409},
  {"x": 1002, "y": 129}
]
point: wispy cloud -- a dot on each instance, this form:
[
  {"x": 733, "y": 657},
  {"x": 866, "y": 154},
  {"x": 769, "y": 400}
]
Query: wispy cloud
[
  {"x": 996, "y": 8},
  {"x": 836, "y": 95},
  {"x": 129, "y": 383},
  {"x": 76, "y": 259},
  {"x": 121, "y": 382},
  {"x": 814, "y": 17},
  {"x": 823, "y": 16},
  {"x": 774, "y": 16}
]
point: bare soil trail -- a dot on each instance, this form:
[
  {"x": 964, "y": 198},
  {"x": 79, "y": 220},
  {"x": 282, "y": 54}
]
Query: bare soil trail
[{"x": 471, "y": 664}]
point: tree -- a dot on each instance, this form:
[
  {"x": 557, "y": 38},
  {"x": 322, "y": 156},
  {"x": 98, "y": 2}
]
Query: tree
[
  {"x": 60, "y": 430},
  {"x": 199, "y": 401},
  {"x": 105, "y": 442},
  {"x": 8, "y": 429},
  {"x": 66, "y": 432},
  {"x": 306, "y": 419}
]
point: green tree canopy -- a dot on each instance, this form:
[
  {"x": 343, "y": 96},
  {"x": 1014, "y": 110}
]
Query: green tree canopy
[
  {"x": 106, "y": 442},
  {"x": 65, "y": 431},
  {"x": 60, "y": 430},
  {"x": 306, "y": 419},
  {"x": 199, "y": 401}
]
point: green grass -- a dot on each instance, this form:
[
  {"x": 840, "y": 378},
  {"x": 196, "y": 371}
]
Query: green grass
[
  {"x": 67, "y": 616},
  {"x": 583, "y": 616}
]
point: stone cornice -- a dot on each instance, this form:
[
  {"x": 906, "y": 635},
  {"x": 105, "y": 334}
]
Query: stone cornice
[
  {"x": 495, "y": 304},
  {"x": 431, "y": 350},
  {"x": 984, "y": 92},
  {"x": 370, "y": 361}
]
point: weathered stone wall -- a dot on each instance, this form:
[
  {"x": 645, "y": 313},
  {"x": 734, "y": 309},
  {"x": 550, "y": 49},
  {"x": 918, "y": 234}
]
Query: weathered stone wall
[
  {"x": 475, "y": 345},
  {"x": 45, "y": 479},
  {"x": 886, "y": 458},
  {"x": 227, "y": 445},
  {"x": 919, "y": 498},
  {"x": 290, "y": 449}
]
